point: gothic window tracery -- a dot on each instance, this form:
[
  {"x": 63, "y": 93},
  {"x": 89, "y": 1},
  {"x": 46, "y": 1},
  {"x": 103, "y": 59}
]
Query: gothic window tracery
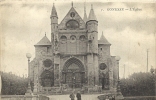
[
  {"x": 47, "y": 63},
  {"x": 103, "y": 66},
  {"x": 72, "y": 24},
  {"x": 73, "y": 68}
]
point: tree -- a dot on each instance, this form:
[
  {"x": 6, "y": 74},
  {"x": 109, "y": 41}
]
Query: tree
[
  {"x": 138, "y": 84},
  {"x": 13, "y": 84}
]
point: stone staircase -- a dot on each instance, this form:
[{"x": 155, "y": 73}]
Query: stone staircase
[{"x": 88, "y": 90}]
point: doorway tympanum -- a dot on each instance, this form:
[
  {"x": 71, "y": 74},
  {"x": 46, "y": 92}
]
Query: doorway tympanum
[{"x": 73, "y": 73}]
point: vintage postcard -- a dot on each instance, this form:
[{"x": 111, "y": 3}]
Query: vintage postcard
[{"x": 70, "y": 49}]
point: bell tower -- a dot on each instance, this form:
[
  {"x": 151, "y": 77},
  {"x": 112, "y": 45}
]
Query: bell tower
[
  {"x": 54, "y": 28},
  {"x": 55, "y": 45},
  {"x": 92, "y": 56}
]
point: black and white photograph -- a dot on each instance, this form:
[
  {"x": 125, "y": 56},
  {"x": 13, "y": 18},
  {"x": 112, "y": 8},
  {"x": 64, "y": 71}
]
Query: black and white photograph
[{"x": 78, "y": 50}]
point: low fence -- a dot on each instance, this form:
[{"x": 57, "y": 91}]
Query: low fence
[
  {"x": 24, "y": 97},
  {"x": 140, "y": 98}
]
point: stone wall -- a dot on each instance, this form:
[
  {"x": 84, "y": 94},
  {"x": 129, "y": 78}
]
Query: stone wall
[
  {"x": 24, "y": 97},
  {"x": 73, "y": 44},
  {"x": 41, "y": 51}
]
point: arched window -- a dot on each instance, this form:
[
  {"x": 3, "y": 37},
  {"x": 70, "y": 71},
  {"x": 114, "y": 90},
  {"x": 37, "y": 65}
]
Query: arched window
[
  {"x": 73, "y": 38},
  {"x": 47, "y": 78},
  {"x": 82, "y": 38},
  {"x": 63, "y": 39},
  {"x": 72, "y": 24}
]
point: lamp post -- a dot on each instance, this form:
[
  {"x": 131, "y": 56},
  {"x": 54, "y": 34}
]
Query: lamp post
[
  {"x": 119, "y": 94},
  {"x": 29, "y": 92}
]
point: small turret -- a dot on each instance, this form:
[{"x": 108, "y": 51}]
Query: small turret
[
  {"x": 42, "y": 47},
  {"x": 92, "y": 22},
  {"x": 104, "y": 45}
]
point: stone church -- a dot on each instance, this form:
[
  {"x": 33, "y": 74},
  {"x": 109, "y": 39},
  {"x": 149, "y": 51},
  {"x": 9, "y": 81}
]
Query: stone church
[{"x": 74, "y": 57}]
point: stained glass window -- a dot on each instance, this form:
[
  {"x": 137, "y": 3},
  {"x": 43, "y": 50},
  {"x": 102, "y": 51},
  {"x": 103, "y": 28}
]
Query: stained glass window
[
  {"x": 72, "y": 24},
  {"x": 103, "y": 66},
  {"x": 47, "y": 63}
]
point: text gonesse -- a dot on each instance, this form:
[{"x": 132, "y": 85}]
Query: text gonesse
[{"x": 115, "y": 9}]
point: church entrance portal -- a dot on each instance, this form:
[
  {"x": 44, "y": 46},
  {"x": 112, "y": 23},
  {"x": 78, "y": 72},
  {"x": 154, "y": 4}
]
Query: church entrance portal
[
  {"x": 47, "y": 78},
  {"x": 73, "y": 73}
]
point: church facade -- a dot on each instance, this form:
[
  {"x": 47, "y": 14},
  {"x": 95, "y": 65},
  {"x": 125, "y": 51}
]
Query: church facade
[{"x": 74, "y": 56}]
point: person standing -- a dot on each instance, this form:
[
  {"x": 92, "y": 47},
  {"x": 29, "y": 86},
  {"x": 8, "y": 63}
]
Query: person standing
[
  {"x": 78, "y": 95},
  {"x": 110, "y": 97},
  {"x": 72, "y": 96},
  {"x": 107, "y": 98}
]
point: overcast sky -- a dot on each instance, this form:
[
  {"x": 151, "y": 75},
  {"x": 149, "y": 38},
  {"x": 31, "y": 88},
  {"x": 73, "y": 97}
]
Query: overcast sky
[{"x": 131, "y": 33}]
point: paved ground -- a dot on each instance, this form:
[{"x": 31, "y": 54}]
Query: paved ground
[{"x": 66, "y": 97}]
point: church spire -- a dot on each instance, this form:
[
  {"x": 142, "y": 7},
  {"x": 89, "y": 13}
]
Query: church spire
[
  {"x": 91, "y": 14},
  {"x": 53, "y": 12},
  {"x": 85, "y": 15},
  {"x": 72, "y": 3}
]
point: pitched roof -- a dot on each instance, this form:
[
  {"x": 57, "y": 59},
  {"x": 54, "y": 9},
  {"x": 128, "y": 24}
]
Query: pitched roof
[
  {"x": 68, "y": 17},
  {"x": 92, "y": 14},
  {"x": 44, "y": 41},
  {"x": 103, "y": 40}
]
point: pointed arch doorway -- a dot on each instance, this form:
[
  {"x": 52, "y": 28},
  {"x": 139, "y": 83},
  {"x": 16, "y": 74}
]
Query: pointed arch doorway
[{"x": 73, "y": 73}]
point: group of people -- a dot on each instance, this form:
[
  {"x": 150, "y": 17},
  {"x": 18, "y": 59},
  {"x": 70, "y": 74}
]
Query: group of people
[{"x": 78, "y": 96}]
